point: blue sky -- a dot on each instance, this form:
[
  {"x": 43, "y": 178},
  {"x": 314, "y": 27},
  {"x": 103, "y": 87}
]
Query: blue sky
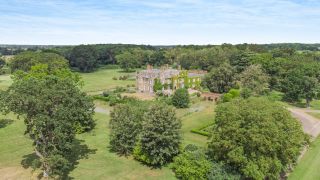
[{"x": 159, "y": 22}]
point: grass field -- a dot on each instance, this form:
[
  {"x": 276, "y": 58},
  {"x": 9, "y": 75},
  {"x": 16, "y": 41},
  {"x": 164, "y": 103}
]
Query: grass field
[
  {"x": 315, "y": 114},
  {"x": 101, "y": 80},
  {"x": 96, "y": 161},
  {"x": 95, "y": 82},
  {"x": 5, "y": 81},
  {"x": 308, "y": 166}
]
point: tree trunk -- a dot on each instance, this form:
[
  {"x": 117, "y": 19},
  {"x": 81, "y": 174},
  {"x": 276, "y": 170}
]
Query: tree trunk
[
  {"x": 308, "y": 102},
  {"x": 45, "y": 166}
]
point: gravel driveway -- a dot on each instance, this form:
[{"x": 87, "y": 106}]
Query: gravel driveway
[{"x": 311, "y": 125}]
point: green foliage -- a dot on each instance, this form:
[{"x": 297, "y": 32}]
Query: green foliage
[
  {"x": 25, "y": 60},
  {"x": 192, "y": 164},
  {"x": 128, "y": 61},
  {"x": 257, "y": 137},
  {"x": 2, "y": 62},
  {"x": 125, "y": 124},
  {"x": 220, "y": 79},
  {"x": 255, "y": 80},
  {"x": 219, "y": 171},
  {"x": 180, "y": 98},
  {"x": 54, "y": 110},
  {"x": 300, "y": 83},
  {"x": 240, "y": 61},
  {"x": 84, "y": 57},
  {"x": 157, "y": 85},
  {"x": 232, "y": 94},
  {"x": 160, "y": 135}
]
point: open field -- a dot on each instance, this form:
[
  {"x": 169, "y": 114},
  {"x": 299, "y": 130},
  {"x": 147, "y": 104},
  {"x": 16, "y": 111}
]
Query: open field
[
  {"x": 95, "y": 82},
  {"x": 101, "y": 80}
]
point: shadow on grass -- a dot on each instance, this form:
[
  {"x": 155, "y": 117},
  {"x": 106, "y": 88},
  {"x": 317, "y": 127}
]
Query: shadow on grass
[
  {"x": 79, "y": 151},
  {"x": 5, "y": 122},
  {"x": 124, "y": 71},
  {"x": 299, "y": 104}
]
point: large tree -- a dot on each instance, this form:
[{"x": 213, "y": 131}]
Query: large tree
[
  {"x": 128, "y": 61},
  {"x": 54, "y": 110},
  {"x": 25, "y": 60},
  {"x": 254, "y": 79},
  {"x": 257, "y": 137},
  {"x": 220, "y": 79},
  {"x": 125, "y": 125},
  {"x": 84, "y": 57},
  {"x": 160, "y": 136},
  {"x": 301, "y": 82}
]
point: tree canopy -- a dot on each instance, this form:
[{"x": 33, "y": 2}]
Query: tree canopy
[
  {"x": 254, "y": 79},
  {"x": 220, "y": 79},
  {"x": 54, "y": 110},
  {"x": 84, "y": 57},
  {"x": 160, "y": 136},
  {"x": 257, "y": 137},
  {"x": 25, "y": 60}
]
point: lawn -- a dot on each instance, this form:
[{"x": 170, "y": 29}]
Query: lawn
[
  {"x": 102, "y": 79},
  {"x": 308, "y": 166},
  {"x": 95, "y": 82},
  {"x": 5, "y": 81},
  {"x": 314, "y": 114}
]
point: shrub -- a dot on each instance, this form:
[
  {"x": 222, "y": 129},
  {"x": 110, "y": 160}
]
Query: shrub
[
  {"x": 106, "y": 93},
  {"x": 233, "y": 93},
  {"x": 114, "y": 78},
  {"x": 114, "y": 99},
  {"x": 157, "y": 85},
  {"x": 181, "y": 98},
  {"x": 119, "y": 89},
  {"x": 219, "y": 171},
  {"x": 124, "y": 77},
  {"x": 160, "y": 136},
  {"x": 191, "y": 164}
]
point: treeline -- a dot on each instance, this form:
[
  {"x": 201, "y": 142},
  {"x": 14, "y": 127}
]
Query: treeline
[{"x": 87, "y": 58}]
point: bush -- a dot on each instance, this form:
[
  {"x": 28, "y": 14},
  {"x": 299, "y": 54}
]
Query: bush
[
  {"x": 114, "y": 99},
  {"x": 219, "y": 171},
  {"x": 125, "y": 77},
  {"x": 119, "y": 89},
  {"x": 192, "y": 164},
  {"x": 106, "y": 93},
  {"x": 114, "y": 78},
  {"x": 233, "y": 93},
  {"x": 160, "y": 136},
  {"x": 181, "y": 98}
]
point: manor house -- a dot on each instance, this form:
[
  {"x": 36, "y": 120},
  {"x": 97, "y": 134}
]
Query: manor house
[{"x": 167, "y": 79}]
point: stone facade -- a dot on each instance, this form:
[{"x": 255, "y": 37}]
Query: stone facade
[{"x": 170, "y": 79}]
